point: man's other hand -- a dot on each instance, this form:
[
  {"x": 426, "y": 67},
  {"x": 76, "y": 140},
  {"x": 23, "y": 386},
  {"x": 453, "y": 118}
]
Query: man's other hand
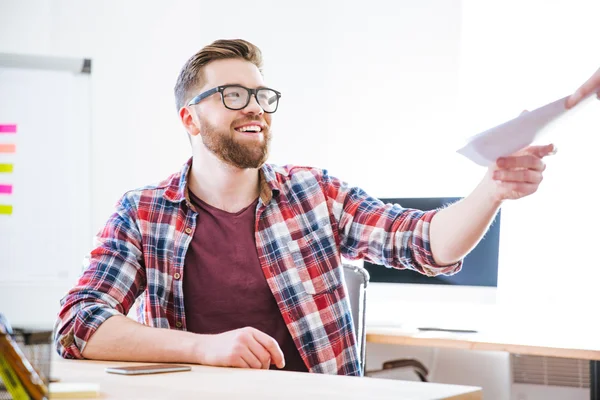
[{"x": 242, "y": 348}]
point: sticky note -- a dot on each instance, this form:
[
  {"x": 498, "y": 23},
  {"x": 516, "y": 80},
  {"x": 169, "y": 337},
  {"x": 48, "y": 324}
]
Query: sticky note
[
  {"x": 5, "y": 209},
  {"x": 66, "y": 390},
  {"x": 7, "y": 148},
  {"x": 5, "y": 189},
  {"x": 8, "y": 128},
  {"x": 6, "y": 168}
]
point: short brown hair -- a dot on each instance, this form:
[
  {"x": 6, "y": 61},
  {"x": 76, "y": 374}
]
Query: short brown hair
[{"x": 191, "y": 77}]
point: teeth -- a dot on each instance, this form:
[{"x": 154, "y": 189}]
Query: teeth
[{"x": 251, "y": 128}]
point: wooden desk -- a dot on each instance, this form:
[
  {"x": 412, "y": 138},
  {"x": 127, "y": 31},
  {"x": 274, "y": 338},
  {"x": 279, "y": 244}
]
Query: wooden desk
[
  {"x": 529, "y": 341},
  {"x": 230, "y": 383}
]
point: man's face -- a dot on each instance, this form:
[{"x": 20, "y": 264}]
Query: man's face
[{"x": 237, "y": 137}]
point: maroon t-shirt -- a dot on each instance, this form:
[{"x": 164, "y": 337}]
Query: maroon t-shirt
[{"x": 224, "y": 287}]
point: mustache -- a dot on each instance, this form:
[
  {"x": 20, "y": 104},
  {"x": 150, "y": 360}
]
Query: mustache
[{"x": 247, "y": 120}]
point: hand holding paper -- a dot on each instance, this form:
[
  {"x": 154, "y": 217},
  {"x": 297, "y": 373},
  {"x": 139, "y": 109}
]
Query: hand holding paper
[
  {"x": 520, "y": 132},
  {"x": 520, "y": 174},
  {"x": 592, "y": 85},
  {"x": 514, "y": 135}
]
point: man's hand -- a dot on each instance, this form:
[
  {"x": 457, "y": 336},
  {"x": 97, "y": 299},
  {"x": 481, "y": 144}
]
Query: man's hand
[
  {"x": 592, "y": 85},
  {"x": 519, "y": 174},
  {"x": 242, "y": 348}
]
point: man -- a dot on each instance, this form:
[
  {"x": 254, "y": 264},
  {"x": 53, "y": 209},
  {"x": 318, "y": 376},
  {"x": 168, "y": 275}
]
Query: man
[{"x": 235, "y": 262}]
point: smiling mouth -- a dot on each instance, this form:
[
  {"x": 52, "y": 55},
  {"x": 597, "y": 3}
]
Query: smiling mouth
[{"x": 249, "y": 129}]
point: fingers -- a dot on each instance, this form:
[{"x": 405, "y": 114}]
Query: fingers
[
  {"x": 541, "y": 151},
  {"x": 243, "y": 348},
  {"x": 260, "y": 353},
  {"x": 271, "y": 346},
  {"x": 528, "y": 161},
  {"x": 249, "y": 351},
  {"x": 518, "y": 175},
  {"x": 592, "y": 85},
  {"x": 524, "y": 168},
  {"x": 239, "y": 362},
  {"x": 574, "y": 99},
  {"x": 249, "y": 360}
]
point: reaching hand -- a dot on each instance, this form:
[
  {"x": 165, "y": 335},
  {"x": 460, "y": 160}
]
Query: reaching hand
[
  {"x": 519, "y": 174},
  {"x": 243, "y": 348},
  {"x": 590, "y": 86}
]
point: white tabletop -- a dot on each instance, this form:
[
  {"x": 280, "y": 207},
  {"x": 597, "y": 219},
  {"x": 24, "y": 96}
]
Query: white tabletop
[{"x": 231, "y": 383}]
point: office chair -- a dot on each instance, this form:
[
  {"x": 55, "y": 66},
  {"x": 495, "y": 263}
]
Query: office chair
[{"x": 357, "y": 279}]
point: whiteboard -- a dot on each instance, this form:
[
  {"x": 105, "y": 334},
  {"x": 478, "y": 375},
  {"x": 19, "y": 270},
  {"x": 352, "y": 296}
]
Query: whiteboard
[{"x": 45, "y": 226}]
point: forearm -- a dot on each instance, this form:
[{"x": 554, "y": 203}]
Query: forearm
[
  {"x": 119, "y": 338},
  {"x": 456, "y": 230}
]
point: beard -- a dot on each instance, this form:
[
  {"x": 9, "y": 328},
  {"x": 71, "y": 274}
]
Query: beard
[{"x": 242, "y": 154}]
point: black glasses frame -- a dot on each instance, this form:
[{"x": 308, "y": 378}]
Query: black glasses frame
[{"x": 219, "y": 89}]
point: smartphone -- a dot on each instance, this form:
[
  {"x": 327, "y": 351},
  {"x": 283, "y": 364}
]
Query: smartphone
[{"x": 148, "y": 369}]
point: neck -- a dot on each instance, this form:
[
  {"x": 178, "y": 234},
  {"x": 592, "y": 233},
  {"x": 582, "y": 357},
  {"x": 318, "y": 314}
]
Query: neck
[{"x": 222, "y": 185}]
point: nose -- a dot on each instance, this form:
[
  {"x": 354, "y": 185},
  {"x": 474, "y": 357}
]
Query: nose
[{"x": 253, "y": 107}]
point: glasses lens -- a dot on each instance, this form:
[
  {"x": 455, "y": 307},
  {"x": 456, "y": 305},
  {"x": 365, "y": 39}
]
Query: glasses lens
[
  {"x": 267, "y": 99},
  {"x": 235, "y": 97}
]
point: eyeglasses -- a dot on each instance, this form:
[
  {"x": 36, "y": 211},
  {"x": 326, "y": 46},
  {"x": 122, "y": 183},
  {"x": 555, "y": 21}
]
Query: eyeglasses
[{"x": 237, "y": 97}]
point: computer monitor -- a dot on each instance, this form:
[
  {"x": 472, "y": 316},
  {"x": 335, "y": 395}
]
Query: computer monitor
[
  {"x": 480, "y": 266},
  {"x": 400, "y": 296}
]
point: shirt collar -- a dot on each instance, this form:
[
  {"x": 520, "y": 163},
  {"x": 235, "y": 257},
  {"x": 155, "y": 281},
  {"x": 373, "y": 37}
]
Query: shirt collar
[{"x": 177, "y": 186}]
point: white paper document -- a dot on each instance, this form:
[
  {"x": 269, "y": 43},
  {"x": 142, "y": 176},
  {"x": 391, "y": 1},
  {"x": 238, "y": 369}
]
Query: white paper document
[{"x": 486, "y": 147}]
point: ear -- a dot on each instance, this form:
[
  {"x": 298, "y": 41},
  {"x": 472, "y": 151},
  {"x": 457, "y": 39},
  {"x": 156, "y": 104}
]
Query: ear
[{"x": 187, "y": 119}]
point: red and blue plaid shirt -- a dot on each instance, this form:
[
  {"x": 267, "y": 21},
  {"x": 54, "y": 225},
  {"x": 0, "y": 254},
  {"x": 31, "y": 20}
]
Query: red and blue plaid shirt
[{"x": 305, "y": 221}]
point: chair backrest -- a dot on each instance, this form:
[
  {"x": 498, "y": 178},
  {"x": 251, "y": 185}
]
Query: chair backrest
[{"x": 357, "y": 280}]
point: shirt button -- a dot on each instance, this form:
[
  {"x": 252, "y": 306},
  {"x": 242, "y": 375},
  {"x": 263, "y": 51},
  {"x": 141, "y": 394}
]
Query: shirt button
[
  {"x": 188, "y": 230},
  {"x": 177, "y": 275},
  {"x": 178, "y": 324}
]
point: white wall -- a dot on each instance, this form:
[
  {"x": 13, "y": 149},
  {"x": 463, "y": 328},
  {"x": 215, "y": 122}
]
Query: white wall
[
  {"x": 42, "y": 241},
  {"x": 447, "y": 68},
  {"x": 521, "y": 55},
  {"x": 328, "y": 58}
]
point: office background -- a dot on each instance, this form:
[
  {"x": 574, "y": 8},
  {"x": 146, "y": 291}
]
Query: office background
[{"x": 379, "y": 93}]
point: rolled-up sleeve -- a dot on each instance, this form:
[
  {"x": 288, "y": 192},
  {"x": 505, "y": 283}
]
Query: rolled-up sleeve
[
  {"x": 385, "y": 234},
  {"x": 112, "y": 278}
]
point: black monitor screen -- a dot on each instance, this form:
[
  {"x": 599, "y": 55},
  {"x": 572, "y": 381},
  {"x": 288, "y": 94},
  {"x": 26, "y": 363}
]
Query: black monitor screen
[{"x": 480, "y": 266}]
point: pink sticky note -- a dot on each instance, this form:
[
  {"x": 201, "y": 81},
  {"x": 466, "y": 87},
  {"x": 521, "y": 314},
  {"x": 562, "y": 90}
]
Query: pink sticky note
[
  {"x": 8, "y": 128},
  {"x": 7, "y": 148},
  {"x": 5, "y": 189}
]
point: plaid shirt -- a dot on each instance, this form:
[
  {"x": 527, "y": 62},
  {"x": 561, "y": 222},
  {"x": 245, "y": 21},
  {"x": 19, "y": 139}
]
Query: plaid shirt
[{"x": 305, "y": 221}]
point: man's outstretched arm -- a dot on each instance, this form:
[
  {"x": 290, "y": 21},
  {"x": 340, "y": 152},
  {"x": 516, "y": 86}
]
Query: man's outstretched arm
[{"x": 457, "y": 229}]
